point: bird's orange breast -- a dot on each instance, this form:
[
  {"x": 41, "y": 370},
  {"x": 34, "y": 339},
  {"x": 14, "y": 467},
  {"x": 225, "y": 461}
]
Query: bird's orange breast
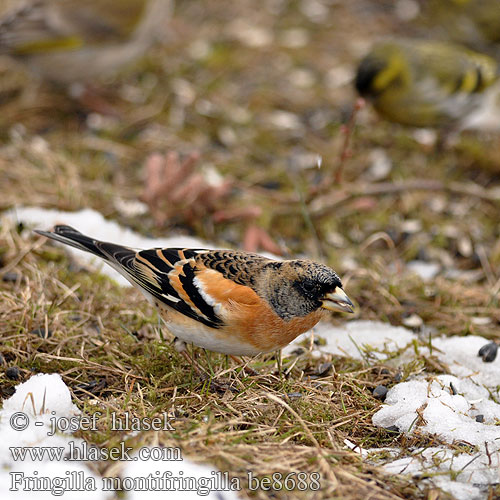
[{"x": 249, "y": 318}]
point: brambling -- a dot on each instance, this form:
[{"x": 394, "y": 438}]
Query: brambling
[{"x": 232, "y": 302}]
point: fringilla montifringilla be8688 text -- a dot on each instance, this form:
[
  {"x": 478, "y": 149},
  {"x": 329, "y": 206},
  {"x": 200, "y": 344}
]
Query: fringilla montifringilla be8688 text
[{"x": 236, "y": 303}]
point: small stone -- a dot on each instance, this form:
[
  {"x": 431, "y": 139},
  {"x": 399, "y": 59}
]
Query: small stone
[
  {"x": 10, "y": 277},
  {"x": 480, "y": 418},
  {"x": 319, "y": 341},
  {"x": 294, "y": 38},
  {"x": 13, "y": 373},
  {"x": 488, "y": 352},
  {"x": 380, "y": 392},
  {"x": 41, "y": 332},
  {"x": 323, "y": 369},
  {"x": 95, "y": 386},
  {"x": 392, "y": 428}
]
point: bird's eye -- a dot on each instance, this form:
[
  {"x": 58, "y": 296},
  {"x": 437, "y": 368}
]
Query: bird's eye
[{"x": 308, "y": 285}]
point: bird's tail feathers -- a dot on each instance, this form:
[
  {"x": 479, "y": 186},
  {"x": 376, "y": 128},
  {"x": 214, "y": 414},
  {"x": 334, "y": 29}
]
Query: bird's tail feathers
[{"x": 73, "y": 238}]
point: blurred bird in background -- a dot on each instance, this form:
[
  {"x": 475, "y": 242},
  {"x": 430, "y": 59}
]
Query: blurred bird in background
[
  {"x": 473, "y": 23},
  {"x": 79, "y": 41},
  {"x": 425, "y": 83}
]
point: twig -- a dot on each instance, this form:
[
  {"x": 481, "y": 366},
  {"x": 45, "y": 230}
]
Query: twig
[
  {"x": 469, "y": 462},
  {"x": 488, "y": 454},
  {"x": 485, "y": 264},
  {"x": 322, "y": 205},
  {"x": 348, "y": 131}
]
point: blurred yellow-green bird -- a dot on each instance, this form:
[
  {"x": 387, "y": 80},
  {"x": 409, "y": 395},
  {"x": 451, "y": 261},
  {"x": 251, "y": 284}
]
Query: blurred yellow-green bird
[
  {"x": 473, "y": 23},
  {"x": 67, "y": 41},
  {"x": 424, "y": 83}
]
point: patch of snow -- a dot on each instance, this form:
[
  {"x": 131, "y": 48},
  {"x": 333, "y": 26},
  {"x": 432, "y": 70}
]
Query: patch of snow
[
  {"x": 460, "y": 408},
  {"x": 472, "y": 472},
  {"x": 447, "y": 406},
  {"x": 33, "y": 409},
  {"x": 357, "y": 338},
  {"x": 425, "y": 270},
  {"x": 460, "y": 354},
  {"x": 30, "y": 410}
]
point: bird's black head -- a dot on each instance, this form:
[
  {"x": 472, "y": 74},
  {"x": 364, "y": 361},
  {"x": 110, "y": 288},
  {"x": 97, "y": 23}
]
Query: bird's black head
[
  {"x": 368, "y": 69},
  {"x": 296, "y": 288}
]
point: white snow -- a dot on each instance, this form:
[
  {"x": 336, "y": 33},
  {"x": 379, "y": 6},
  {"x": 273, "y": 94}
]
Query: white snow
[
  {"x": 444, "y": 406},
  {"x": 45, "y": 399},
  {"x": 425, "y": 270},
  {"x": 42, "y": 398},
  {"x": 358, "y": 339}
]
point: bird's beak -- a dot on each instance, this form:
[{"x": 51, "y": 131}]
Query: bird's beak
[{"x": 337, "y": 301}]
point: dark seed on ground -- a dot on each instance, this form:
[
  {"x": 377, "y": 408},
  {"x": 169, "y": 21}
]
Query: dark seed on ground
[
  {"x": 41, "y": 332},
  {"x": 488, "y": 352},
  {"x": 380, "y": 392},
  {"x": 10, "y": 277},
  {"x": 392, "y": 428},
  {"x": 323, "y": 369},
  {"x": 13, "y": 373}
]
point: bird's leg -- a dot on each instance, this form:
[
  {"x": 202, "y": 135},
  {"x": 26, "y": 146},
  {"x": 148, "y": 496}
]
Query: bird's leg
[
  {"x": 160, "y": 331},
  {"x": 181, "y": 348},
  {"x": 279, "y": 363}
]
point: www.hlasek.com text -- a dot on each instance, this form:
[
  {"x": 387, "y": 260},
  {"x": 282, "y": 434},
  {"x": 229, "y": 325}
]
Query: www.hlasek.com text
[{"x": 81, "y": 451}]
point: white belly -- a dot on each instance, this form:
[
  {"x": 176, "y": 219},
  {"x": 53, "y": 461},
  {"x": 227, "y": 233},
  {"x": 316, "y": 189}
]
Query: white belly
[{"x": 203, "y": 336}]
